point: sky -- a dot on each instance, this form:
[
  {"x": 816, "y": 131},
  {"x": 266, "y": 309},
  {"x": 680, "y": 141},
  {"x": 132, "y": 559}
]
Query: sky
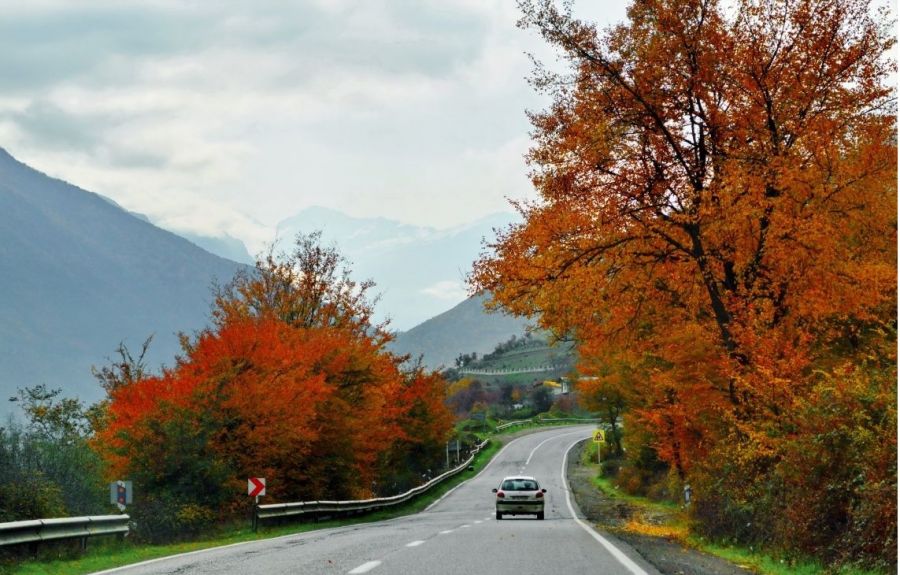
[{"x": 229, "y": 116}]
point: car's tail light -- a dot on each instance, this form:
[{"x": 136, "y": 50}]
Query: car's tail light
[
  {"x": 539, "y": 495},
  {"x": 501, "y": 495}
]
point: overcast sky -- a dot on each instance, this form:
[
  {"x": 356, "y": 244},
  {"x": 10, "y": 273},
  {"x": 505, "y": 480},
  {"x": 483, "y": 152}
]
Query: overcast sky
[{"x": 220, "y": 117}]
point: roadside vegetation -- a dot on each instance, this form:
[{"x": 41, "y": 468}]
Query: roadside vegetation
[
  {"x": 716, "y": 230},
  {"x": 100, "y": 555},
  {"x": 672, "y": 520},
  {"x": 290, "y": 382}
]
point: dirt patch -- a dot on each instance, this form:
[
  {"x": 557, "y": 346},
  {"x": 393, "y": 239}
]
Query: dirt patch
[{"x": 611, "y": 515}]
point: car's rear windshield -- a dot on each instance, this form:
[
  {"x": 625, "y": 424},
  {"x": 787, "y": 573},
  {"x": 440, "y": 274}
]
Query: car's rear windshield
[{"x": 519, "y": 485}]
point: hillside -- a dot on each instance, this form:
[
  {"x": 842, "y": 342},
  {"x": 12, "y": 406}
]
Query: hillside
[
  {"x": 79, "y": 274},
  {"x": 465, "y": 328},
  {"x": 520, "y": 360}
]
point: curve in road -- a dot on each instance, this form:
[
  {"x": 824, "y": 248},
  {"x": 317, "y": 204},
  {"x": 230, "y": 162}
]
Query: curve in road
[{"x": 456, "y": 535}]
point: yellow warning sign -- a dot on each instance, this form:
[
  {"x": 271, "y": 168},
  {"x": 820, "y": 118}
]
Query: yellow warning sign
[{"x": 599, "y": 436}]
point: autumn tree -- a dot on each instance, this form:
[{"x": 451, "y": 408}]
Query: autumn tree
[
  {"x": 717, "y": 196},
  {"x": 291, "y": 382}
]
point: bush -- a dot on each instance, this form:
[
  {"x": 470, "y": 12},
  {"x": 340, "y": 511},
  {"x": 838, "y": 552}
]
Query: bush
[
  {"x": 165, "y": 519},
  {"x": 822, "y": 484},
  {"x": 33, "y": 497},
  {"x": 610, "y": 467},
  {"x": 43, "y": 475}
]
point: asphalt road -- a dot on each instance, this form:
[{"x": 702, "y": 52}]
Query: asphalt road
[{"x": 456, "y": 535}]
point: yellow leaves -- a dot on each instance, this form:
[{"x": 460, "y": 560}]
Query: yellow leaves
[
  {"x": 677, "y": 532},
  {"x": 459, "y": 386}
]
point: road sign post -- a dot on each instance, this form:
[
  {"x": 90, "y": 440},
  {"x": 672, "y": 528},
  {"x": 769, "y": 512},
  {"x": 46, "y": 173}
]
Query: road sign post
[
  {"x": 120, "y": 494},
  {"x": 599, "y": 439},
  {"x": 256, "y": 488}
]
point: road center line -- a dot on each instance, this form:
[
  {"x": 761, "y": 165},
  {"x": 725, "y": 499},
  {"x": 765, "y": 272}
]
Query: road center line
[
  {"x": 478, "y": 521},
  {"x": 415, "y": 543},
  {"x": 446, "y": 531},
  {"x": 613, "y": 550},
  {"x": 365, "y": 567}
]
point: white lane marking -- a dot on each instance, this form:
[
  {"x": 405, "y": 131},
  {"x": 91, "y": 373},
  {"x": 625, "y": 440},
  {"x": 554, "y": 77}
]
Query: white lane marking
[
  {"x": 536, "y": 447},
  {"x": 415, "y": 543},
  {"x": 477, "y": 521},
  {"x": 464, "y": 526},
  {"x": 447, "y": 531},
  {"x": 112, "y": 570},
  {"x": 491, "y": 462},
  {"x": 613, "y": 550},
  {"x": 364, "y": 568}
]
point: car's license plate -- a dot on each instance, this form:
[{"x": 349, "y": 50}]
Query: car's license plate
[{"x": 518, "y": 497}]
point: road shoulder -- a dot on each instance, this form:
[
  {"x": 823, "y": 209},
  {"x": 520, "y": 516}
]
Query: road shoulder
[{"x": 610, "y": 515}]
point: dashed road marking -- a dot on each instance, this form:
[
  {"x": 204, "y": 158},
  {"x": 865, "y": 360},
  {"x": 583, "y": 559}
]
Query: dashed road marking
[
  {"x": 464, "y": 526},
  {"x": 478, "y": 521},
  {"x": 364, "y": 568},
  {"x": 446, "y": 531},
  {"x": 414, "y": 543}
]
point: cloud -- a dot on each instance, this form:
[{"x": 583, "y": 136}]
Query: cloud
[
  {"x": 447, "y": 290},
  {"x": 235, "y": 115}
]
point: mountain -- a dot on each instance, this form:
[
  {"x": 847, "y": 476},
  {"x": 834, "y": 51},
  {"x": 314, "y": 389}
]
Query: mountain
[
  {"x": 465, "y": 328},
  {"x": 418, "y": 270},
  {"x": 78, "y": 274},
  {"x": 225, "y": 246}
]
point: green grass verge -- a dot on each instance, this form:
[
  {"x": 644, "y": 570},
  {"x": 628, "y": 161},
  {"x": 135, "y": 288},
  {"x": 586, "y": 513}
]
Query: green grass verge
[
  {"x": 770, "y": 565},
  {"x": 107, "y": 554},
  {"x": 607, "y": 486}
]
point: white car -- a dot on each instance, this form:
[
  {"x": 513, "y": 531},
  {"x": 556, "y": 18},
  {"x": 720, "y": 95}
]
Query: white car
[{"x": 519, "y": 495}]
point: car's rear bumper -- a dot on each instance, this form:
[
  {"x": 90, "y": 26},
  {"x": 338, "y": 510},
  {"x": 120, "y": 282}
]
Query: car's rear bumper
[{"x": 520, "y": 507}]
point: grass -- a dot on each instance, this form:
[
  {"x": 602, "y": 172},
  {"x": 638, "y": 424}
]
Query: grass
[
  {"x": 770, "y": 565},
  {"x": 106, "y": 554},
  {"x": 606, "y": 485},
  {"x": 670, "y": 520}
]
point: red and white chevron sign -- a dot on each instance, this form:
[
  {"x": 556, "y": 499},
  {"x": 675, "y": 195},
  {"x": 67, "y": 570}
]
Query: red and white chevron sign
[{"x": 256, "y": 486}]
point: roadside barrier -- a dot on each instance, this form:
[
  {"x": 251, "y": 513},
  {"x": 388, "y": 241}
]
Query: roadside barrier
[
  {"x": 36, "y": 531},
  {"x": 545, "y": 421},
  {"x": 319, "y": 509}
]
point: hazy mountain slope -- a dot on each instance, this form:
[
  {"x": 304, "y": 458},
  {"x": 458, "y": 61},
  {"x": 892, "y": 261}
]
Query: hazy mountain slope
[
  {"x": 225, "y": 246},
  {"x": 418, "y": 270},
  {"x": 78, "y": 274},
  {"x": 463, "y": 329}
]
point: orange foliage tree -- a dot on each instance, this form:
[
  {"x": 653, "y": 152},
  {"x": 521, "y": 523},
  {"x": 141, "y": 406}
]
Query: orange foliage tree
[
  {"x": 717, "y": 199},
  {"x": 292, "y": 383}
]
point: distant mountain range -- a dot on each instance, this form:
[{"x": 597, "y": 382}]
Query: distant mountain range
[
  {"x": 78, "y": 274},
  {"x": 464, "y": 329},
  {"x": 420, "y": 271}
]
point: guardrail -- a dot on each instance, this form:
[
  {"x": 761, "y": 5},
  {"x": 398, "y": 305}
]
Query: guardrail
[
  {"x": 317, "y": 509},
  {"x": 36, "y": 531},
  {"x": 545, "y": 421}
]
